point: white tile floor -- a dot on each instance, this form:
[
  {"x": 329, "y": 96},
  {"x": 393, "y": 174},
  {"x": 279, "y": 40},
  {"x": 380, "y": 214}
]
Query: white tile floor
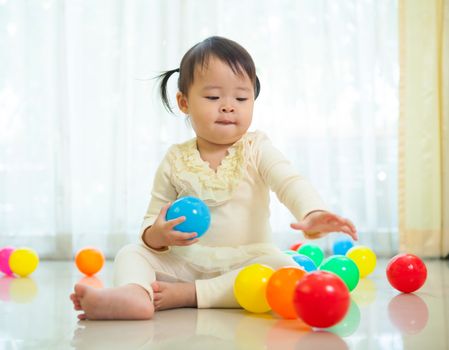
[{"x": 36, "y": 313}]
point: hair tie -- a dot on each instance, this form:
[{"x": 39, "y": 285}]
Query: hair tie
[{"x": 176, "y": 70}]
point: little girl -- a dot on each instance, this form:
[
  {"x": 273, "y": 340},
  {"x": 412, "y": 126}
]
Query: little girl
[{"x": 229, "y": 168}]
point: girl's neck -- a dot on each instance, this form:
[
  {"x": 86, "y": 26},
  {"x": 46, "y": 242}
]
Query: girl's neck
[
  {"x": 208, "y": 147},
  {"x": 212, "y": 153}
]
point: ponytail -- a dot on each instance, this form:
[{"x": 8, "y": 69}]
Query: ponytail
[{"x": 163, "y": 87}]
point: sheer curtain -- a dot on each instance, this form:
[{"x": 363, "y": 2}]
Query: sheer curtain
[
  {"x": 424, "y": 128},
  {"x": 82, "y": 129}
]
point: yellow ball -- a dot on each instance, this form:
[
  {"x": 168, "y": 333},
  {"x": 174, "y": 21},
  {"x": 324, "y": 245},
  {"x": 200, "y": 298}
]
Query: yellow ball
[
  {"x": 23, "y": 261},
  {"x": 250, "y": 286},
  {"x": 364, "y": 258}
]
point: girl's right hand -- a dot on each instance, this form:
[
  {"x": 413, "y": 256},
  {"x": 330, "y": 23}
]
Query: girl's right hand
[{"x": 162, "y": 234}]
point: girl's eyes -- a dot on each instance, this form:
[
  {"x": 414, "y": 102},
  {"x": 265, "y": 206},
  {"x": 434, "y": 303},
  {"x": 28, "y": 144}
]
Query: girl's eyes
[{"x": 213, "y": 98}]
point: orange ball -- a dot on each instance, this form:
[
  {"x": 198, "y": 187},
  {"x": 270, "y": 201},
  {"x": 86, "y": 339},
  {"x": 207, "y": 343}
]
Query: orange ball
[
  {"x": 89, "y": 260},
  {"x": 280, "y": 290}
]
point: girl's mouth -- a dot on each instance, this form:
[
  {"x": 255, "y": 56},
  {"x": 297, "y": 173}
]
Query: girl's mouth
[{"x": 225, "y": 122}]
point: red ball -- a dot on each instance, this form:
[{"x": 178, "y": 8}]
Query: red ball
[
  {"x": 296, "y": 246},
  {"x": 321, "y": 299},
  {"x": 406, "y": 272}
]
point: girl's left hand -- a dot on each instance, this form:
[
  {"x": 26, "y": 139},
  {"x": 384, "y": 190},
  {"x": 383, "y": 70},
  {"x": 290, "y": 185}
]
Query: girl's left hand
[{"x": 317, "y": 223}]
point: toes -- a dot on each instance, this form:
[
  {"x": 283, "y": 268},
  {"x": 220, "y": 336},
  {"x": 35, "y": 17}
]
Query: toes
[
  {"x": 157, "y": 305},
  {"x": 156, "y": 287},
  {"x": 82, "y": 317},
  {"x": 80, "y": 290}
]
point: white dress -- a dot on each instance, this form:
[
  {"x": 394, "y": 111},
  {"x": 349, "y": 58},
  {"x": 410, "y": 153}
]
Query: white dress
[{"x": 237, "y": 194}]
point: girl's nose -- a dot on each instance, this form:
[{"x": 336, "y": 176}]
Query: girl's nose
[{"x": 227, "y": 109}]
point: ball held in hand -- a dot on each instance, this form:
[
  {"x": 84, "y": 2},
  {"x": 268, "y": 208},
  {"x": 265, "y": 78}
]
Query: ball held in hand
[{"x": 196, "y": 212}]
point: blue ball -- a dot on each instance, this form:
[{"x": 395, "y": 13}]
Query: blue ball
[
  {"x": 196, "y": 212},
  {"x": 341, "y": 246},
  {"x": 305, "y": 262}
]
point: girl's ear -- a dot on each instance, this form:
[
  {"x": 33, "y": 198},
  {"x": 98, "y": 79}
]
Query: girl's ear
[{"x": 182, "y": 102}]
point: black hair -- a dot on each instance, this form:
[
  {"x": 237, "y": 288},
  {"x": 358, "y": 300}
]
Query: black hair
[{"x": 228, "y": 51}]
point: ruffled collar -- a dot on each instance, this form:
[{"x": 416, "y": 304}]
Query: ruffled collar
[{"x": 193, "y": 176}]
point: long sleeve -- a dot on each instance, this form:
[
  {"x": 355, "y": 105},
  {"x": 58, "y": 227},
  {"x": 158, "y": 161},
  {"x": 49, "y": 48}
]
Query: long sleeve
[
  {"x": 293, "y": 190},
  {"x": 163, "y": 192}
]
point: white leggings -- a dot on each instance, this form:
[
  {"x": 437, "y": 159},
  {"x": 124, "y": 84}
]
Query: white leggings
[{"x": 137, "y": 264}]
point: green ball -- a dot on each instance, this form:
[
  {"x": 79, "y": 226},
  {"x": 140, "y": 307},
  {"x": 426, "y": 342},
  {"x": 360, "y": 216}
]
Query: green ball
[
  {"x": 313, "y": 252},
  {"x": 344, "y": 268}
]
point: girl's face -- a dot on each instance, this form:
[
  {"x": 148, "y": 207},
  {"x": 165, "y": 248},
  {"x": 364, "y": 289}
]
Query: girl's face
[{"x": 219, "y": 102}]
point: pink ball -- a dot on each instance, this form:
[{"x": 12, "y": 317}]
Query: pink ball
[{"x": 4, "y": 260}]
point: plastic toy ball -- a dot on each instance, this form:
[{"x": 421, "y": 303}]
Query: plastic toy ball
[
  {"x": 250, "y": 288},
  {"x": 296, "y": 246},
  {"x": 196, "y": 212},
  {"x": 344, "y": 268},
  {"x": 280, "y": 290},
  {"x": 364, "y": 258},
  {"x": 89, "y": 260},
  {"x": 341, "y": 246},
  {"x": 305, "y": 262},
  {"x": 313, "y": 252},
  {"x": 321, "y": 299},
  {"x": 4, "y": 260},
  {"x": 406, "y": 272},
  {"x": 23, "y": 261}
]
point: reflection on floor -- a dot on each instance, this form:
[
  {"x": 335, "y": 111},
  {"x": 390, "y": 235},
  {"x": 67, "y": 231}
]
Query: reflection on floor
[{"x": 36, "y": 312}]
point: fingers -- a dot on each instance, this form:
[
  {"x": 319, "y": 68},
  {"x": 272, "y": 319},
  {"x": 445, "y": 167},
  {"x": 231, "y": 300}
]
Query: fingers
[
  {"x": 183, "y": 239},
  {"x": 341, "y": 224},
  {"x": 348, "y": 227},
  {"x": 298, "y": 226},
  {"x": 354, "y": 230},
  {"x": 353, "y": 233},
  {"x": 160, "y": 220},
  {"x": 164, "y": 209},
  {"x": 324, "y": 223},
  {"x": 172, "y": 223},
  {"x": 169, "y": 224},
  {"x": 182, "y": 236},
  {"x": 187, "y": 242},
  {"x": 345, "y": 229}
]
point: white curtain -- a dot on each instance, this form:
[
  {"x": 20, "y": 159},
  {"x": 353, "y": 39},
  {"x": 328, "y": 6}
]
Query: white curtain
[{"x": 82, "y": 129}]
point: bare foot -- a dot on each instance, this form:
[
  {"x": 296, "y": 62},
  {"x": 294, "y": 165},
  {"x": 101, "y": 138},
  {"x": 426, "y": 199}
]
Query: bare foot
[
  {"x": 173, "y": 295},
  {"x": 129, "y": 302}
]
